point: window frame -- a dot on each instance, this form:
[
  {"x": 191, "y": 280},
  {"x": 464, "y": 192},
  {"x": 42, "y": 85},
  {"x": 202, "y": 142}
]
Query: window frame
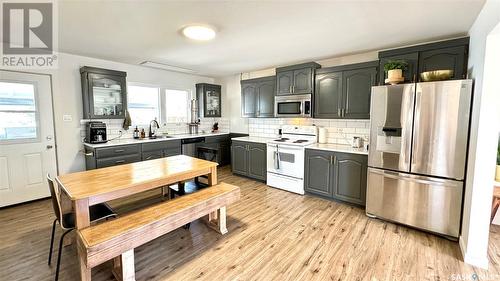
[
  {"x": 162, "y": 106},
  {"x": 164, "y": 103},
  {"x": 137, "y": 84},
  {"x": 36, "y": 111}
]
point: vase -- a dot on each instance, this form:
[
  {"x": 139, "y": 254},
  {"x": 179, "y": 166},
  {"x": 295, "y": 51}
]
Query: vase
[
  {"x": 395, "y": 74},
  {"x": 497, "y": 174}
]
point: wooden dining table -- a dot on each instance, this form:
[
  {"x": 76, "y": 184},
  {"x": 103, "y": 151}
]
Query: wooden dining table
[{"x": 92, "y": 187}]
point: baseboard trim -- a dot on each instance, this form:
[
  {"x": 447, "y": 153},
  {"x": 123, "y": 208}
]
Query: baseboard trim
[{"x": 481, "y": 262}]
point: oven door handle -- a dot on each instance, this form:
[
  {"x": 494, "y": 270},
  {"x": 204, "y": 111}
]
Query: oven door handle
[{"x": 276, "y": 159}]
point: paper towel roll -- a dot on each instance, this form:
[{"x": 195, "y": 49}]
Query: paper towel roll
[{"x": 322, "y": 133}]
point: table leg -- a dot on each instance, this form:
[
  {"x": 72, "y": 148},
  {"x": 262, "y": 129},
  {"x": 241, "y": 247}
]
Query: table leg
[{"x": 82, "y": 220}]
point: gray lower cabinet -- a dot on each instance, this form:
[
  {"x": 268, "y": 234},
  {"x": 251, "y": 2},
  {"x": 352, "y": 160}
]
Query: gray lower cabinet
[
  {"x": 160, "y": 149},
  {"x": 318, "y": 172},
  {"x": 112, "y": 156},
  {"x": 249, "y": 159},
  {"x": 96, "y": 158},
  {"x": 336, "y": 175}
]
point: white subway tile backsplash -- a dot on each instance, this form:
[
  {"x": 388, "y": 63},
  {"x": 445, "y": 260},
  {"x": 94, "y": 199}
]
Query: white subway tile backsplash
[
  {"x": 338, "y": 131},
  {"x": 114, "y": 126}
]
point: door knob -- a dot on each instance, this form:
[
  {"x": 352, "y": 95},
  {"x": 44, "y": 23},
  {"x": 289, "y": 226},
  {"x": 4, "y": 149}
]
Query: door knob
[{"x": 50, "y": 146}]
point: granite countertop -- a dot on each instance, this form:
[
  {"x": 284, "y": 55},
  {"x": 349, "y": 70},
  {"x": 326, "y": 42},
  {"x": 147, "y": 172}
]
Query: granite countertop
[
  {"x": 338, "y": 148},
  {"x": 146, "y": 140},
  {"x": 253, "y": 139}
]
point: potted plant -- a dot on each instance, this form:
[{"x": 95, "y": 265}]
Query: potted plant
[
  {"x": 394, "y": 70},
  {"x": 497, "y": 174}
]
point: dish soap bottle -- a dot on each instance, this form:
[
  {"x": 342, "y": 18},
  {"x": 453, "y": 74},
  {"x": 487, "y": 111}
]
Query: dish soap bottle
[
  {"x": 136, "y": 133},
  {"x": 143, "y": 134}
]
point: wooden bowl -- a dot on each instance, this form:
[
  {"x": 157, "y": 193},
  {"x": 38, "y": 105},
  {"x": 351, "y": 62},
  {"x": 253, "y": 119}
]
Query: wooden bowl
[{"x": 436, "y": 75}]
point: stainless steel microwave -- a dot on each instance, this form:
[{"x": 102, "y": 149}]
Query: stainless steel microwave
[{"x": 293, "y": 106}]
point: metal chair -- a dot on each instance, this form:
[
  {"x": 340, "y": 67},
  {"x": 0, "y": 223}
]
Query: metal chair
[{"x": 67, "y": 221}]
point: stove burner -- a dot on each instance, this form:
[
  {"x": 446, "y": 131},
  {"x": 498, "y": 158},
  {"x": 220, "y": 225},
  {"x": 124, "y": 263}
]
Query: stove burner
[
  {"x": 300, "y": 141},
  {"x": 282, "y": 139}
]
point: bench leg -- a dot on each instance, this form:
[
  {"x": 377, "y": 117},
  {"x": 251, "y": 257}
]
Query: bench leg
[
  {"x": 123, "y": 267},
  {"x": 218, "y": 224},
  {"x": 85, "y": 273}
]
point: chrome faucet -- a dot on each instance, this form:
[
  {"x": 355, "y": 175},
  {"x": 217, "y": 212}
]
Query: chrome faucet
[{"x": 152, "y": 135}]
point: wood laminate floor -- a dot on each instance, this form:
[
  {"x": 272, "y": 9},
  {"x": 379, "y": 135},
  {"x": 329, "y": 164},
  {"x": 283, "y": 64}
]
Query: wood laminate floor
[{"x": 273, "y": 235}]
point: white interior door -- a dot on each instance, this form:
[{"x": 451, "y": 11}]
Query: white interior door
[{"x": 27, "y": 147}]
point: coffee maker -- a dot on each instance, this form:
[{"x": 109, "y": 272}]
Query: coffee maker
[{"x": 95, "y": 132}]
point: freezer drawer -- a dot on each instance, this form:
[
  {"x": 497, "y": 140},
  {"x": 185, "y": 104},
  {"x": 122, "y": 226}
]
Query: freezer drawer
[{"x": 427, "y": 203}]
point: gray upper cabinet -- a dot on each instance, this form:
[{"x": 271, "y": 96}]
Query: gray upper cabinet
[
  {"x": 257, "y": 97},
  {"x": 249, "y": 159},
  {"x": 356, "y": 92},
  {"x": 284, "y": 80},
  {"x": 336, "y": 175},
  {"x": 410, "y": 74},
  {"x": 302, "y": 81},
  {"x": 445, "y": 58},
  {"x": 328, "y": 95},
  {"x": 265, "y": 97},
  {"x": 449, "y": 54},
  {"x": 318, "y": 172},
  {"x": 104, "y": 93},
  {"x": 296, "y": 79},
  {"x": 248, "y": 99},
  {"x": 350, "y": 172},
  {"x": 343, "y": 92}
]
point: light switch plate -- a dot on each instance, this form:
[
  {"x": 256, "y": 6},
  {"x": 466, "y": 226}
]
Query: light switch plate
[{"x": 67, "y": 118}]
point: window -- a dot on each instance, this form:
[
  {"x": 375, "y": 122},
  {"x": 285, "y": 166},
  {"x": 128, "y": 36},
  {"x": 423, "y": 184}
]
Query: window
[
  {"x": 177, "y": 106},
  {"x": 18, "y": 111},
  {"x": 143, "y": 104}
]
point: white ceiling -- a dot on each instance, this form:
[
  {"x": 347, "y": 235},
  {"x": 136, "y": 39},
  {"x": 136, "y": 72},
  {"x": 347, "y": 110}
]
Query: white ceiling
[{"x": 254, "y": 34}]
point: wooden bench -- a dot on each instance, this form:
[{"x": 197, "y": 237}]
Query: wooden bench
[{"x": 118, "y": 238}]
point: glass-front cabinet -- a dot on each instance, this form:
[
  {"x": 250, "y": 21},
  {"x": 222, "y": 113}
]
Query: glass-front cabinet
[
  {"x": 209, "y": 100},
  {"x": 104, "y": 93}
]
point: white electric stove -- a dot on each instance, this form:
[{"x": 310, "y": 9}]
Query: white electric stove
[{"x": 285, "y": 157}]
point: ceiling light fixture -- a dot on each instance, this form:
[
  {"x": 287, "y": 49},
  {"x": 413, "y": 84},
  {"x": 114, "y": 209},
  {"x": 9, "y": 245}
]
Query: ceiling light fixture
[{"x": 199, "y": 32}]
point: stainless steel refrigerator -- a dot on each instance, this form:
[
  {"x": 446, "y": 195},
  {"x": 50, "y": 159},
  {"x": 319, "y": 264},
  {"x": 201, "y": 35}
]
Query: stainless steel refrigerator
[{"x": 417, "y": 157}]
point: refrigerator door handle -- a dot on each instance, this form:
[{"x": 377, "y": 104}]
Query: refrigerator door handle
[{"x": 416, "y": 179}]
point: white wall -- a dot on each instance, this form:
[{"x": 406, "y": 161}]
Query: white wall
[
  {"x": 67, "y": 97},
  {"x": 483, "y": 62}
]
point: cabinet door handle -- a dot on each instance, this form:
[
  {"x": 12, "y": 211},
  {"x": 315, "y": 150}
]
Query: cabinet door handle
[
  {"x": 293, "y": 88},
  {"x": 290, "y": 89},
  {"x": 119, "y": 161},
  {"x": 339, "y": 112},
  {"x": 119, "y": 150},
  {"x": 89, "y": 154},
  {"x": 333, "y": 159},
  {"x": 149, "y": 157}
]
